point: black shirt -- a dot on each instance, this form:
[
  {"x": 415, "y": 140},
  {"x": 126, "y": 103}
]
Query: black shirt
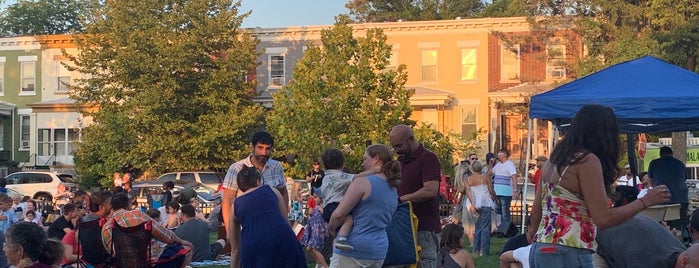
[
  {"x": 318, "y": 181},
  {"x": 56, "y": 228}
]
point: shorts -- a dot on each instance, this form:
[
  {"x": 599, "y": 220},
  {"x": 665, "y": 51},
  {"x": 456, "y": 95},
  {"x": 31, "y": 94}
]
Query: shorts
[{"x": 328, "y": 210}]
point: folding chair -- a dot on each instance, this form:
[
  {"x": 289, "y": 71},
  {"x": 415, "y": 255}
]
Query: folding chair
[
  {"x": 132, "y": 245},
  {"x": 90, "y": 240}
]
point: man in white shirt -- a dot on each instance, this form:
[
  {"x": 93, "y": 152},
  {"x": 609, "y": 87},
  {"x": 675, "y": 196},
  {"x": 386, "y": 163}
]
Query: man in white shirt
[
  {"x": 627, "y": 179},
  {"x": 505, "y": 184}
]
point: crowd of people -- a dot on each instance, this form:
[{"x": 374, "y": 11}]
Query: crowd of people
[{"x": 572, "y": 222}]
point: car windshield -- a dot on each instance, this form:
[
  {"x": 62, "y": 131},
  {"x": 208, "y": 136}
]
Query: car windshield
[
  {"x": 205, "y": 192},
  {"x": 66, "y": 178}
]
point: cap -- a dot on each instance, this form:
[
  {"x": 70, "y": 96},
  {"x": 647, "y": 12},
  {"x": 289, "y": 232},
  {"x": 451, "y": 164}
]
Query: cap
[
  {"x": 541, "y": 158},
  {"x": 627, "y": 166},
  {"x": 489, "y": 156}
]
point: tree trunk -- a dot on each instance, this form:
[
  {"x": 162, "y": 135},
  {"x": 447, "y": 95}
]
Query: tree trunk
[{"x": 679, "y": 145}]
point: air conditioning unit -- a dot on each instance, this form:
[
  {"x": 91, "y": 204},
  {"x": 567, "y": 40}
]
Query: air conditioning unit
[
  {"x": 277, "y": 81},
  {"x": 557, "y": 72}
]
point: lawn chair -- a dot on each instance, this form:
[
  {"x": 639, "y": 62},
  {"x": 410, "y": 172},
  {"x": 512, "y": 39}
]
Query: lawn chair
[
  {"x": 132, "y": 245},
  {"x": 402, "y": 237},
  {"x": 90, "y": 240}
]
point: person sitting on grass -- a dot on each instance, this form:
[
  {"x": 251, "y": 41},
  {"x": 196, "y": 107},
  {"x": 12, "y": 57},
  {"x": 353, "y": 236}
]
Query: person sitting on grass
[{"x": 452, "y": 253}]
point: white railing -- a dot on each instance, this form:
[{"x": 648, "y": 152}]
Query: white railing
[{"x": 690, "y": 141}]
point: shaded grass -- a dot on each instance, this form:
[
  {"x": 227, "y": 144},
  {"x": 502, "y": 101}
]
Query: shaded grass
[{"x": 491, "y": 261}]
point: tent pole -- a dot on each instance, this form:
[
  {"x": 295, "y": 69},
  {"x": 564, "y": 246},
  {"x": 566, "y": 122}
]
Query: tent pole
[
  {"x": 631, "y": 153},
  {"x": 523, "y": 195}
]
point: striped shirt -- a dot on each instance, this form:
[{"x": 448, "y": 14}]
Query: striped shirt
[
  {"x": 502, "y": 182},
  {"x": 272, "y": 174}
]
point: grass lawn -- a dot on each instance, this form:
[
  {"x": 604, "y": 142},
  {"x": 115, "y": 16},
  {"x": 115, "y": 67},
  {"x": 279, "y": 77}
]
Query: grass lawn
[{"x": 491, "y": 261}]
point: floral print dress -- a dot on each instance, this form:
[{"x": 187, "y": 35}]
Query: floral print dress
[{"x": 565, "y": 219}]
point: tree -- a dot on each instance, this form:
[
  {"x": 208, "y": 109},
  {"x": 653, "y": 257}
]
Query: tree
[
  {"x": 412, "y": 10},
  {"x": 342, "y": 96},
  {"x": 168, "y": 79},
  {"x": 41, "y": 17}
]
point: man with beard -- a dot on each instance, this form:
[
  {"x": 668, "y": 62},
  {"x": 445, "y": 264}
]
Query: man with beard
[
  {"x": 271, "y": 171},
  {"x": 420, "y": 176}
]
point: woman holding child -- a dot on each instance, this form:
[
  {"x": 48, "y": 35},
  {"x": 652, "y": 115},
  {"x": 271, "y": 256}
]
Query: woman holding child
[{"x": 371, "y": 200}]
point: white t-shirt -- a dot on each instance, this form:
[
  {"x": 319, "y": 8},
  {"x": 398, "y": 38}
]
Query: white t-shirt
[
  {"x": 502, "y": 182},
  {"x": 522, "y": 255},
  {"x": 624, "y": 181}
]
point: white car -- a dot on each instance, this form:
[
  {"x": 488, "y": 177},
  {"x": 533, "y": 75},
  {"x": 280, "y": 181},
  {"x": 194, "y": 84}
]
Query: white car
[
  {"x": 40, "y": 185},
  {"x": 209, "y": 178}
]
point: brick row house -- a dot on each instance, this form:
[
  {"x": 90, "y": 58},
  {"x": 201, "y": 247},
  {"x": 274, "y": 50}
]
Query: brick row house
[{"x": 464, "y": 75}]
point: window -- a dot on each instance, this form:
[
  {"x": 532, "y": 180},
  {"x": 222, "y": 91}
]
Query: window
[
  {"x": 2, "y": 78},
  {"x": 57, "y": 141},
  {"x": 187, "y": 177},
  {"x": 63, "y": 77},
  {"x": 392, "y": 61},
  {"x": 24, "y": 132},
  {"x": 468, "y": 121},
  {"x": 28, "y": 70},
  {"x": 556, "y": 62},
  {"x": 210, "y": 178},
  {"x": 43, "y": 137},
  {"x": 509, "y": 65},
  {"x": 429, "y": 65},
  {"x": 468, "y": 64},
  {"x": 276, "y": 70}
]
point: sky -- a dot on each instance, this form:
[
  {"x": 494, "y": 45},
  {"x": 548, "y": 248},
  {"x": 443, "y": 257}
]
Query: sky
[{"x": 283, "y": 13}]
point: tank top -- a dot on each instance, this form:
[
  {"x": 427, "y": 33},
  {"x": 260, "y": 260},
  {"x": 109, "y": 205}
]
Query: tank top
[
  {"x": 565, "y": 219},
  {"x": 481, "y": 196}
]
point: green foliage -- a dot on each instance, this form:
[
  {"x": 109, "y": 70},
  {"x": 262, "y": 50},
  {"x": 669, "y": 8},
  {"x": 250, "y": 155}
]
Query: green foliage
[
  {"x": 448, "y": 146},
  {"x": 167, "y": 78},
  {"x": 39, "y": 17},
  {"x": 412, "y": 10},
  {"x": 342, "y": 95}
]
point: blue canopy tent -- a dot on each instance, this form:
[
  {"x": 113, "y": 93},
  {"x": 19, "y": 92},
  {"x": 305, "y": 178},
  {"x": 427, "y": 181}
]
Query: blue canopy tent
[{"x": 648, "y": 95}]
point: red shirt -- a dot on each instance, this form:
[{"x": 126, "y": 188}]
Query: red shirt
[
  {"x": 421, "y": 167},
  {"x": 537, "y": 176},
  {"x": 69, "y": 240}
]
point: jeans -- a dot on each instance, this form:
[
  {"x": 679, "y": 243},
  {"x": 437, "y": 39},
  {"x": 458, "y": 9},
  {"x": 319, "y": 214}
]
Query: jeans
[
  {"x": 481, "y": 238},
  {"x": 504, "y": 209},
  {"x": 550, "y": 255},
  {"x": 429, "y": 243}
]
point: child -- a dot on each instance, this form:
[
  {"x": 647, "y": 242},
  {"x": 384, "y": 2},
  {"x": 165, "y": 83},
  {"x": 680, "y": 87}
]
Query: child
[
  {"x": 173, "y": 217},
  {"x": 30, "y": 216},
  {"x": 296, "y": 209},
  {"x": 7, "y": 217},
  {"x": 316, "y": 230},
  {"x": 156, "y": 247},
  {"x": 167, "y": 192},
  {"x": 451, "y": 252},
  {"x": 335, "y": 184}
]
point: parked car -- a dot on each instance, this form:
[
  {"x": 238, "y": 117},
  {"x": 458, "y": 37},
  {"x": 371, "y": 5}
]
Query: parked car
[
  {"x": 207, "y": 196},
  {"x": 209, "y": 178},
  {"x": 40, "y": 185}
]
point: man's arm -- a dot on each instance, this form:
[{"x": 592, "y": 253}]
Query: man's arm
[
  {"x": 428, "y": 191},
  {"x": 226, "y": 204},
  {"x": 515, "y": 191},
  {"x": 285, "y": 195}
]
